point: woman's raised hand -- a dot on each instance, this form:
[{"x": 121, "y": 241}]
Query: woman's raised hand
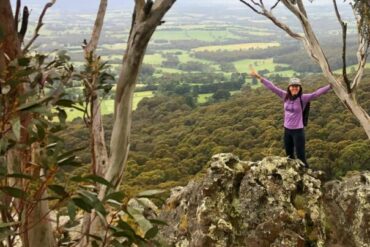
[{"x": 253, "y": 72}]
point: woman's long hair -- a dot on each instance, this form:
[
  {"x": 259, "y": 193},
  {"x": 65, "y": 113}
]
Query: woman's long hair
[{"x": 289, "y": 95}]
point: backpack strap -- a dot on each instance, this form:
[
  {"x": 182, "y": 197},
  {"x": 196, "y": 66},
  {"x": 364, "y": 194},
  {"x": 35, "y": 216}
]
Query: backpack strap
[{"x": 300, "y": 99}]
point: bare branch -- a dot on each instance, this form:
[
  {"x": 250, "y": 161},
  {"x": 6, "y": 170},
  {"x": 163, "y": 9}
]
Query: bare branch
[
  {"x": 274, "y": 6},
  {"x": 276, "y": 21},
  {"x": 291, "y": 6},
  {"x": 148, "y": 7},
  {"x": 98, "y": 26},
  {"x": 362, "y": 55},
  {"x": 139, "y": 9},
  {"x": 24, "y": 25},
  {"x": 251, "y": 7},
  {"x": 283, "y": 26},
  {"x": 311, "y": 43},
  {"x": 301, "y": 7},
  {"x": 16, "y": 17},
  {"x": 344, "y": 47},
  {"x": 39, "y": 25},
  {"x": 257, "y": 4},
  {"x": 362, "y": 51}
]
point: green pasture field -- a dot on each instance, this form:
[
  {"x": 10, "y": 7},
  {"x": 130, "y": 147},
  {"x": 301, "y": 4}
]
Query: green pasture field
[
  {"x": 202, "y": 35},
  {"x": 154, "y": 59},
  {"x": 118, "y": 46},
  {"x": 285, "y": 73},
  {"x": 237, "y": 47},
  {"x": 242, "y": 66},
  {"x": 349, "y": 68}
]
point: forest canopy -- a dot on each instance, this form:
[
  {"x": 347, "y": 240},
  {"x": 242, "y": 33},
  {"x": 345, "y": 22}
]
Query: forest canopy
[{"x": 172, "y": 141}]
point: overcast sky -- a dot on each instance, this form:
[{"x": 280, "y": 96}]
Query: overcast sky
[
  {"x": 91, "y": 6},
  {"x": 88, "y": 5}
]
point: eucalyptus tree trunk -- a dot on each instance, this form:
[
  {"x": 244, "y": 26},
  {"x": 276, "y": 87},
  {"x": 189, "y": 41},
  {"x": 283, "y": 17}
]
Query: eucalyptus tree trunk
[
  {"x": 99, "y": 155},
  {"x": 98, "y": 147},
  {"x": 40, "y": 229},
  {"x": 147, "y": 16}
]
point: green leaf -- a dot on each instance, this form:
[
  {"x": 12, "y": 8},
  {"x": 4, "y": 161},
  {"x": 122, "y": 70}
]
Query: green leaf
[
  {"x": 78, "y": 179},
  {"x": 41, "y": 58},
  {"x": 69, "y": 153},
  {"x": 4, "y": 233},
  {"x": 7, "y": 224},
  {"x": 71, "y": 208},
  {"x": 32, "y": 106},
  {"x": 150, "y": 193},
  {"x": 24, "y": 61},
  {"x": 69, "y": 161},
  {"x": 64, "y": 103},
  {"x": 3, "y": 145},
  {"x": 71, "y": 224},
  {"x": 16, "y": 127},
  {"x": 126, "y": 234},
  {"x": 81, "y": 203},
  {"x": 91, "y": 179},
  {"x": 137, "y": 214},
  {"x": 117, "y": 196},
  {"x": 52, "y": 145},
  {"x": 158, "y": 222},
  {"x": 98, "y": 179},
  {"x": 99, "y": 207},
  {"x": 40, "y": 131},
  {"x": 122, "y": 225},
  {"x": 151, "y": 233},
  {"x": 92, "y": 199},
  {"x": 59, "y": 190},
  {"x": 62, "y": 115},
  {"x": 14, "y": 192},
  {"x": 95, "y": 237}
]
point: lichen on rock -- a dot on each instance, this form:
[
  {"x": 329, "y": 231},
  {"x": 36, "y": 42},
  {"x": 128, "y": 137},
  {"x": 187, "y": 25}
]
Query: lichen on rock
[{"x": 273, "y": 202}]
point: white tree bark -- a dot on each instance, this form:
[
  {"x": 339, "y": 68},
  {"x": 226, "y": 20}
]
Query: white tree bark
[
  {"x": 99, "y": 154},
  {"x": 146, "y": 19},
  {"x": 99, "y": 150},
  {"x": 40, "y": 230}
]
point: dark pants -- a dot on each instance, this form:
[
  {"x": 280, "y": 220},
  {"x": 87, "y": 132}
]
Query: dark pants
[{"x": 294, "y": 138}]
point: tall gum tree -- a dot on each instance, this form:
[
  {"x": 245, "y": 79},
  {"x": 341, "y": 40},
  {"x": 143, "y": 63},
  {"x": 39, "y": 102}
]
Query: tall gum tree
[
  {"x": 147, "y": 16},
  {"x": 35, "y": 226}
]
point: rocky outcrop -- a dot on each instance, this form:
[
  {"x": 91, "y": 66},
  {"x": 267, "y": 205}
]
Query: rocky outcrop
[
  {"x": 347, "y": 207},
  {"x": 273, "y": 202}
]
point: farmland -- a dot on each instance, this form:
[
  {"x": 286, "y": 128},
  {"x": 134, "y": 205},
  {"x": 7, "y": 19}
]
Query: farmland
[
  {"x": 214, "y": 45},
  {"x": 237, "y": 47}
]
